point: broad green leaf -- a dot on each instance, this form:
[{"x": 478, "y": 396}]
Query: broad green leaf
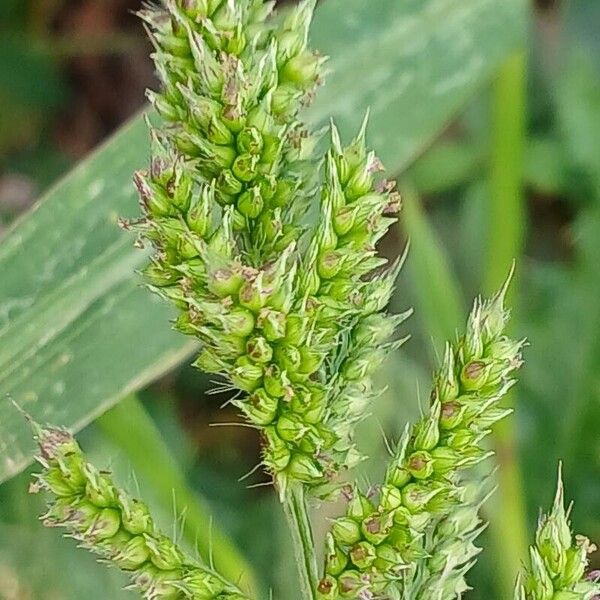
[
  {"x": 76, "y": 331},
  {"x": 413, "y": 62}
]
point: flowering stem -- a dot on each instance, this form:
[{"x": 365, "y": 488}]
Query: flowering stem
[
  {"x": 117, "y": 527},
  {"x": 299, "y": 525},
  {"x": 506, "y": 232},
  {"x": 377, "y": 549},
  {"x": 150, "y": 456},
  {"x": 558, "y": 560}
]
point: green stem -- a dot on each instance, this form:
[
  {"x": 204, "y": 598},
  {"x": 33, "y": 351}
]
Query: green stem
[
  {"x": 505, "y": 243},
  {"x": 304, "y": 546},
  {"x": 131, "y": 428}
]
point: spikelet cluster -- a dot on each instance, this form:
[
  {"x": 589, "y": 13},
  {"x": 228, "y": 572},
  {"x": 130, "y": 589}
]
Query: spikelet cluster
[
  {"x": 267, "y": 248},
  {"x": 232, "y": 86},
  {"x": 117, "y": 527},
  {"x": 374, "y": 549},
  {"x": 272, "y": 265},
  {"x": 558, "y": 560},
  {"x": 450, "y": 549}
]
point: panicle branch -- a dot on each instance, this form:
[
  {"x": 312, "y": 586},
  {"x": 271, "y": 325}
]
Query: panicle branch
[
  {"x": 378, "y": 547},
  {"x": 118, "y": 528},
  {"x": 558, "y": 560}
]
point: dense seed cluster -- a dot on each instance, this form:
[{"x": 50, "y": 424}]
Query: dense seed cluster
[
  {"x": 374, "y": 549},
  {"x": 232, "y": 88},
  {"x": 275, "y": 273},
  {"x": 117, "y": 527},
  {"x": 268, "y": 250},
  {"x": 559, "y": 560}
]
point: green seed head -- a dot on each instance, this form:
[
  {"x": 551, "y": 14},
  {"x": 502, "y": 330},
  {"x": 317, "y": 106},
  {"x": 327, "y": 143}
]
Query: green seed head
[
  {"x": 288, "y": 357},
  {"x": 302, "y": 70},
  {"x": 420, "y": 464},
  {"x": 100, "y": 489},
  {"x": 445, "y": 459},
  {"x": 164, "y": 554},
  {"x": 447, "y": 383},
  {"x": 398, "y": 475},
  {"x": 415, "y": 497},
  {"x": 83, "y": 516},
  {"x": 390, "y": 498},
  {"x": 557, "y": 562},
  {"x": 346, "y": 531},
  {"x": 388, "y": 558},
  {"x": 291, "y": 427},
  {"x": 259, "y": 407},
  {"x": 276, "y": 454},
  {"x": 276, "y": 382},
  {"x": 451, "y": 415},
  {"x": 226, "y": 281},
  {"x": 253, "y": 295},
  {"x": 350, "y": 583},
  {"x": 249, "y": 141},
  {"x": 303, "y": 468},
  {"x": 363, "y": 555},
  {"x": 202, "y": 584},
  {"x": 359, "y": 506},
  {"x": 259, "y": 350},
  {"x": 427, "y": 433},
  {"x": 377, "y": 527},
  {"x": 135, "y": 515},
  {"x": 239, "y": 321},
  {"x": 209, "y": 361},
  {"x": 335, "y": 558},
  {"x": 246, "y": 375},
  {"x": 474, "y": 375},
  {"x": 272, "y": 323},
  {"x": 250, "y": 204},
  {"x": 58, "y": 484},
  {"x": 105, "y": 525},
  {"x": 328, "y": 588}
]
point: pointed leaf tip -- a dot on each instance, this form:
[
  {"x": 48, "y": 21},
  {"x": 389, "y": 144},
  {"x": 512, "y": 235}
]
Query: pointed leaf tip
[
  {"x": 336, "y": 141},
  {"x": 362, "y": 133},
  {"x": 36, "y": 428},
  {"x": 501, "y": 294},
  {"x": 559, "y": 498}
]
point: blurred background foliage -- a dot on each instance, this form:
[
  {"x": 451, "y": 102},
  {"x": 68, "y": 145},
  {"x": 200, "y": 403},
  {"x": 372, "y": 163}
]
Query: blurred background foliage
[{"x": 511, "y": 175}]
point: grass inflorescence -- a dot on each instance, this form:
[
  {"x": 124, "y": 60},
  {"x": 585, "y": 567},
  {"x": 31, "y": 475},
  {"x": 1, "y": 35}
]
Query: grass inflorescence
[{"x": 264, "y": 236}]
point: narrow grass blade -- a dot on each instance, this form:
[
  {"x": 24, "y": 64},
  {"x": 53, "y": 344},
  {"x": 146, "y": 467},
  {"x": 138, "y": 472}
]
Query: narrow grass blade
[
  {"x": 506, "y": 230},
  {"x": 439, "y": 300}
]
